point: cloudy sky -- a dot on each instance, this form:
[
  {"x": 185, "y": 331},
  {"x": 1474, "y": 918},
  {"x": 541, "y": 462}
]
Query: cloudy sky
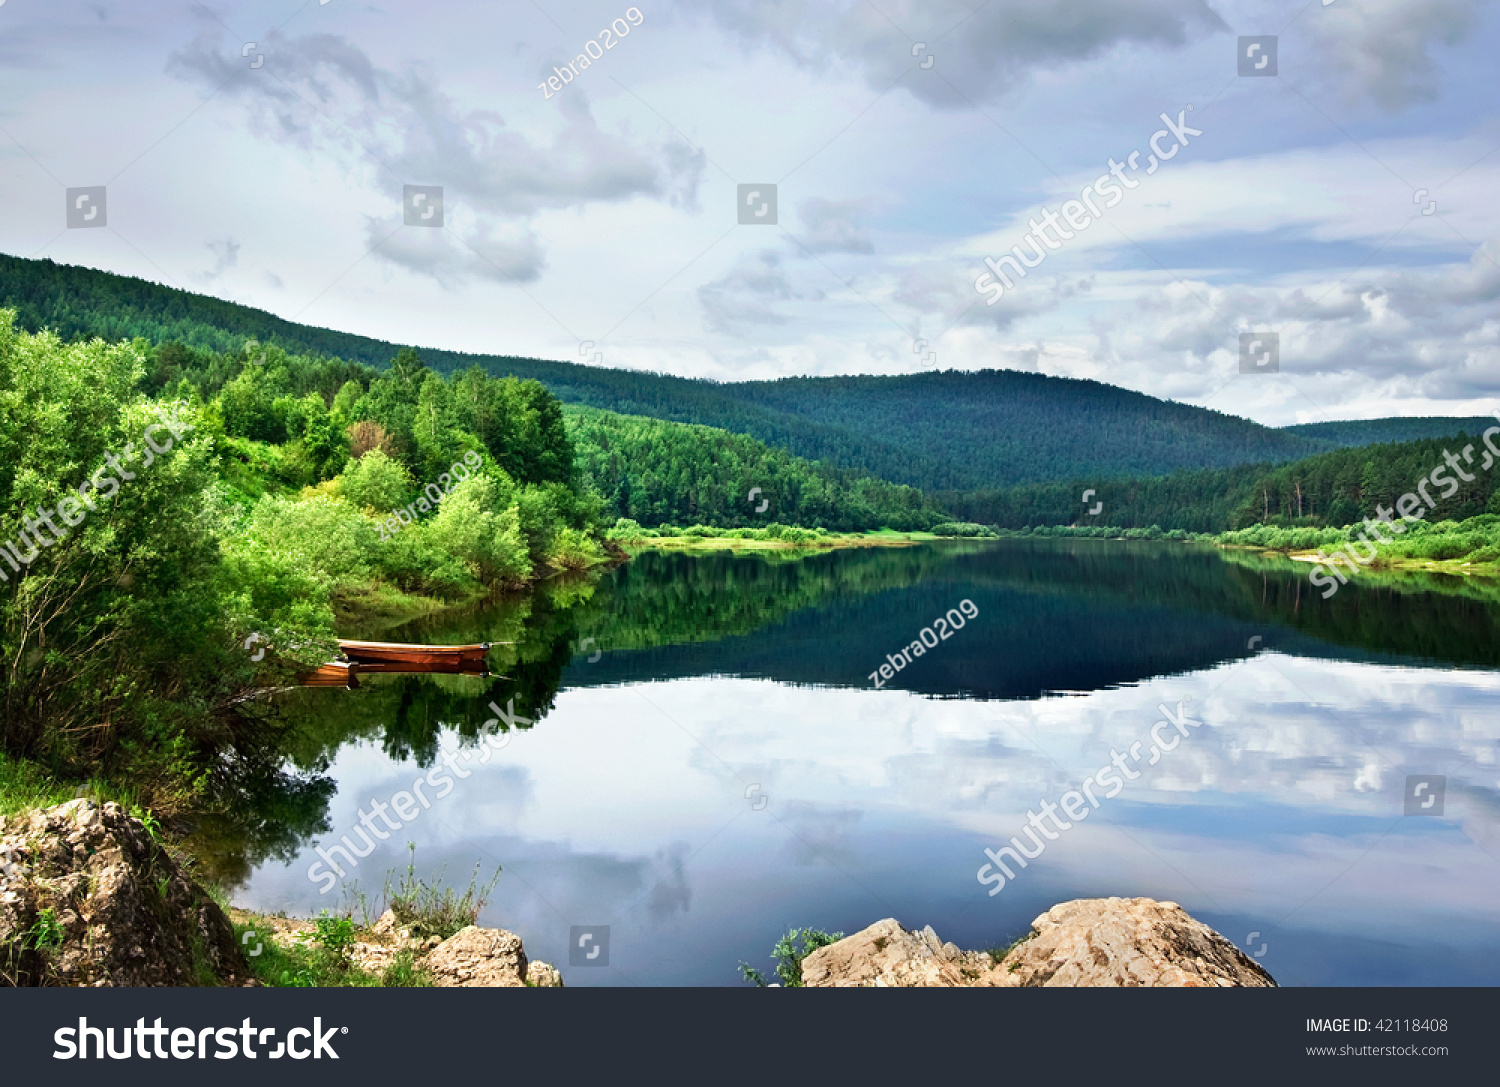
[{"x": 259, "y": 151}]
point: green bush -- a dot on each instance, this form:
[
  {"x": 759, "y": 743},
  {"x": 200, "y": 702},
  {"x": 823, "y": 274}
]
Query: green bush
[
  {"x": 788, "y": 955},
  {"x": 375, "y": 481},
  {"x": 962, "y": 528}
]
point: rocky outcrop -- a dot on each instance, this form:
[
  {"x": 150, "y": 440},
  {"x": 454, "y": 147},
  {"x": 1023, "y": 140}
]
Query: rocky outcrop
[
  {"x": 473, "y": 957},
  {"x": 88, "y": 897},
  {"x": 479, "y": 958},
  {"x": 1104, "y": 942}
]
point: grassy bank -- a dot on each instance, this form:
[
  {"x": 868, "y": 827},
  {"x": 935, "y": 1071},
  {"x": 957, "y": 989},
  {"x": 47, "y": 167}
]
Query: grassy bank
[
  {"x": 1469, "y": 547},
  {"x": 771, "y": 538},
  {"x": 335, "y": 950}
]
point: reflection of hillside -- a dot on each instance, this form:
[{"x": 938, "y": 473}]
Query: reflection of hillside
[
  {"x": 1054, "y": 615},
  {"x": 670, "y": 598},
  {"x": 1429, "y": 617}
]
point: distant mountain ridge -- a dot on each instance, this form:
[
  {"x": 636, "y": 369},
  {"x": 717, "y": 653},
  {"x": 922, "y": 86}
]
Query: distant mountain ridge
[
  {"x": 938, "y": 430},
  {"x": 1395, "y": 428}
]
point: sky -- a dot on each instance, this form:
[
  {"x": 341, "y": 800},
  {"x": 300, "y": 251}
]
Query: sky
[{"x": 261, "y": 152}]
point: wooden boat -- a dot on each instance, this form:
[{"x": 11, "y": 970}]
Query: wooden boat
[
  {"x": 398, "y": 653},
  {"x": 448, "y": 667},
  {"x": 333, "y": 674}
]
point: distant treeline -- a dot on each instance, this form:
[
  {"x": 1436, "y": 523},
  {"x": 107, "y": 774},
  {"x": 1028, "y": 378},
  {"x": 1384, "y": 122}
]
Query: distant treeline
[{"x": 1335, "y": 488}]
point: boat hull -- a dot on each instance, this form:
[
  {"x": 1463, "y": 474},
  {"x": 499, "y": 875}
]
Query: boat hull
[{"x": 398, "y": 653}]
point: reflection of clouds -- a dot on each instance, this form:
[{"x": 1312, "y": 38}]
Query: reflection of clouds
[
  {"x": 626, "y": 807},
  {"x": 671, "y": 894},
  {"x": 819, "y": 835}
]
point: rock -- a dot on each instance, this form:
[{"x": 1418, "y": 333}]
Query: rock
[
  {"x": 1104, "y": 942},
  {"x": 885, "y": 954},
  {"x": 1129, "y": 942},
  {"x": 486, "y": 957},
  {"x": 541, "y": 975},
  {"x": 88, "y": 897}
]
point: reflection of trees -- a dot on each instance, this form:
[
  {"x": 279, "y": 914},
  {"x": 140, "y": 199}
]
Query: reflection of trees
[{"x": 1054, "y": 615}]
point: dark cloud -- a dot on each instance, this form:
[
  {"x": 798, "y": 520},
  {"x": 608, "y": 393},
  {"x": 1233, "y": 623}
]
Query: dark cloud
[
  {"x": 978, "y": 50},
  {"x": 452, "y": 260},
  {"x": 1383, "y": 50}
]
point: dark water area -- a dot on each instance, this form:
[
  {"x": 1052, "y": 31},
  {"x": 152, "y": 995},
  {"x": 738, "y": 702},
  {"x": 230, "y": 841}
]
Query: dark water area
[{"x": 689, "y": 751}]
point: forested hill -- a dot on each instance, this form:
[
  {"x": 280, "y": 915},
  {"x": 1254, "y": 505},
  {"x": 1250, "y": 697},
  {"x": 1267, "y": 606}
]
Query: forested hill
[
  {"x": 1392, "y": 429},
  {"x": 655, "y": 472},
  {"x": 991, "y": 428},
  {"x": 1332, "y": 489},
  {"x": 947, "y": 430}
]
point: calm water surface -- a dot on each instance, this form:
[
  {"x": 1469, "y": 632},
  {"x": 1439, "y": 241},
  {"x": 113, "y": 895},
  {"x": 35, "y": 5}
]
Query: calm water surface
[{"x": 710, "y": 764}]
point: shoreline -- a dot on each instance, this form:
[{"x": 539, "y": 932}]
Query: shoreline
[{"x": 735, "y": 543}]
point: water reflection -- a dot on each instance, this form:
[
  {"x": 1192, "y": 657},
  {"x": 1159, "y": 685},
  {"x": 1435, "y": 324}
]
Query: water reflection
[{"x": 724, "y": 769}]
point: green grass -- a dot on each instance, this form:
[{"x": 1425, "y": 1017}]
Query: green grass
[
  {"x": 25, "y": 785},
  {"x": 322, "y": 962},
  {"x": 435, "y": 909}
]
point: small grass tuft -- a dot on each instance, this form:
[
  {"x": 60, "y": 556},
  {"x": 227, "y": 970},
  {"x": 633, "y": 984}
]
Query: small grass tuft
[{"x": 435, "y": 910}]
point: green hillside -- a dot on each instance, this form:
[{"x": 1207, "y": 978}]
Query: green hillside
[
  {"x": 936, "y": 430},
  {"x": 657, "y": 472},
  {"x": 1391, "y": 429},
  {"x": 1335, "y": 488}
]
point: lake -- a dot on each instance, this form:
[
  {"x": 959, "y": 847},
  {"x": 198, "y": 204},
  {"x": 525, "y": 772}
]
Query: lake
[{"x": 708, "y": 763}]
